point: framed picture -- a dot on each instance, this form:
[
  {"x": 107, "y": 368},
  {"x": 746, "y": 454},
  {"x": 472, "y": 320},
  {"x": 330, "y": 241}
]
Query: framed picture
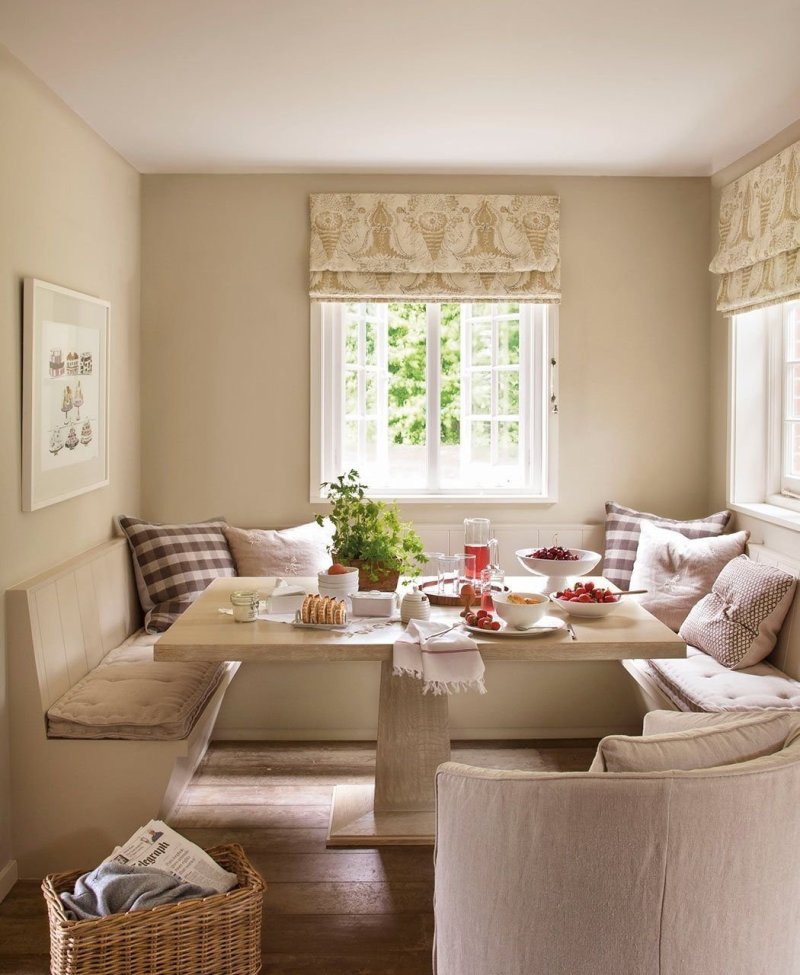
[{"x": 65, "y": 387}]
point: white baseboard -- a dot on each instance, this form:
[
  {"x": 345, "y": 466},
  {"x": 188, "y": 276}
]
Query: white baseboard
[
  {"x": 8, "y": 877},
  {"x": 457, "y": 734}
]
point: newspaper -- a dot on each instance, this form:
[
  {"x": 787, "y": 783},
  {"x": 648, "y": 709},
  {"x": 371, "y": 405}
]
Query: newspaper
[{"x": 156, "y": 845}]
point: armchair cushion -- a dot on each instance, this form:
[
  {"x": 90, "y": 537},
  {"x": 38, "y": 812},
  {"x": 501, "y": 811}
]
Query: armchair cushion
[
  {"x": 665, "y": 722},
  {"x": 749, "y": 737}
]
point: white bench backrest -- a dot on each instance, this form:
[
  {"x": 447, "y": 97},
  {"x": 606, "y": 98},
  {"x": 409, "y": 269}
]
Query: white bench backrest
[
  {"x": 786, "y": 655},
  {"x": 70, "y": 617}
]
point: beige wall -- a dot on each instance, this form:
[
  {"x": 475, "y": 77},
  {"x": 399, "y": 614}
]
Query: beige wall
[
  {"x": 782, "y": 539},
  {"x": 69, "y": 213},
  {"x": 225, "y": 319}
]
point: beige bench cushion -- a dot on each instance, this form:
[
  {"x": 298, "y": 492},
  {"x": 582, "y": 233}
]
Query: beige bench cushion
[
  {"x": 130, "y": 696},
  {"x": 699, "y": 683}
]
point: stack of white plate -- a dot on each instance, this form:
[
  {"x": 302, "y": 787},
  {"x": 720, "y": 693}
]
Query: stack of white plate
[{"x": 341, "y": 585}]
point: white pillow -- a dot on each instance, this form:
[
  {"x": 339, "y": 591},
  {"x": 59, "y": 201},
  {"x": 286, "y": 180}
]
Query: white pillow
[
  {"x": 299, "y": 551},
  {"x": 677, "y": 571}
]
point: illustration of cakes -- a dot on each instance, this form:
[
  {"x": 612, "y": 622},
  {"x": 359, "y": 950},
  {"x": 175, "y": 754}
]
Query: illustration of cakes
[
  {"x": 86, "y": 433},
  {"x": 66, "y": 403},
  {"x": 56, "y": 442},
  {"x": 73, "y": 363},
  {"x": 86, "y": 363},
  {"x": 77, "y": 399},
  {"x": 72, "y": 439},
  {"x": 56, "y": 363}
]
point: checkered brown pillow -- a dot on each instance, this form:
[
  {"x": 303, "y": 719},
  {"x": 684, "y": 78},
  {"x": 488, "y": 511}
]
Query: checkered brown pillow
[
  {"x": 737, "y": 623},
  {"x": 173, "y": 564},
  {"x": 622, "y": 536}
]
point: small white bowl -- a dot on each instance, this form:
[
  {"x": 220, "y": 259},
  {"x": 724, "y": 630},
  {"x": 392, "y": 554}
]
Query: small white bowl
[
  {"x": 520, "y": 614},
  {"x": 339, "y": 584},
  {"x": 585, "y": 609},
  {"x": 559, "y": 569}
]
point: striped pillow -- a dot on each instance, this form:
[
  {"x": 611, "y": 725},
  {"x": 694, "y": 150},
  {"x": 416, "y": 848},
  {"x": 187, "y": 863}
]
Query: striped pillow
[
  {"x": 173, "y": 564},
  {"x": 622, "y": 536}
]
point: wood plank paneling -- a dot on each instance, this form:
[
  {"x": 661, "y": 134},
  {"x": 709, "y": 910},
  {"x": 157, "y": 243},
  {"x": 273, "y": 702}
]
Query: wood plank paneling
[
  {"x": 90, "y": 621},
  {"x": 72, "y": 628},
  {"x": 52, "y": 637}
]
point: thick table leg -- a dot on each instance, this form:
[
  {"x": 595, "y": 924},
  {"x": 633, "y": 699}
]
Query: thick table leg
[{"x": 413, "y": 739}]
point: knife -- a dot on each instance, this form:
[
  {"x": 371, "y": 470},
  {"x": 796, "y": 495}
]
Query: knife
[{"x": 571, "y": 631}]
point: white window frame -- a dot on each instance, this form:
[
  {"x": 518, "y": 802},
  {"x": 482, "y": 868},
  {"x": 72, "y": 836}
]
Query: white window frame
[
  {"x": 538, "y": 414},
  {"x": 757, "y": 422}
]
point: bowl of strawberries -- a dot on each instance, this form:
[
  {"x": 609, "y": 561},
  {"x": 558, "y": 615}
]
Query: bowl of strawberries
[{"x": 586, "y": 599}]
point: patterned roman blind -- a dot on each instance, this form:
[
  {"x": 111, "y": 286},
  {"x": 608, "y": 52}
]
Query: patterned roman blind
[
  {"x": 434, "y": 247},
  {"x": 759, "y": 236}
]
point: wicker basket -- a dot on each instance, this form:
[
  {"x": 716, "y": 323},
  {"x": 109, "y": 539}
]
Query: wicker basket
[{"x": 218, "y": 935}]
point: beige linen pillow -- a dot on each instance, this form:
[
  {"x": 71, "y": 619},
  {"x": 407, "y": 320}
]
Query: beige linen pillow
[
  {"x": 677, "y": 571},
  {"x": 755, "y": 736},
  {"x": 738, "y": 622},
  {"x": 622, "y": 536},
  {"x": 299, "y": 551}
]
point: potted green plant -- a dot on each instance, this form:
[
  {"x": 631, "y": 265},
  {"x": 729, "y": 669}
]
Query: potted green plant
[{"x": 369, "y": 535}]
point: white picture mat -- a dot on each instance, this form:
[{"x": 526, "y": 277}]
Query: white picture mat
[{"x": 56, "y": 318}]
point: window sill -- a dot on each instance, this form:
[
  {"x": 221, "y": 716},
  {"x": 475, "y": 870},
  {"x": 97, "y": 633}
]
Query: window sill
[
  {"x": 451, "y": 498},
  {"x": 772, "y": 513}
]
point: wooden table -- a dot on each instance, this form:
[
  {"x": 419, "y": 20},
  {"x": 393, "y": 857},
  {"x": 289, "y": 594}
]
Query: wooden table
[{"x": 413, "y": 736}]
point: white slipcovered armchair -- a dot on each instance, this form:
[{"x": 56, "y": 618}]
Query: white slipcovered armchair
[{"x": 627, "y": 873}]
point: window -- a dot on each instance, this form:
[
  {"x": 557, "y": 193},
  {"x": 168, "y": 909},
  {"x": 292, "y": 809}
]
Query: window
[
  {"x": 436, "y": 400},
  {"x": 790, "y": 399},
  {"x": 764, "y": 465}
]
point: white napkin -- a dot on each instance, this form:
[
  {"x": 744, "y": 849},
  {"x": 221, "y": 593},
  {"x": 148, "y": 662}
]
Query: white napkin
[{"x": 446, "y": 663}]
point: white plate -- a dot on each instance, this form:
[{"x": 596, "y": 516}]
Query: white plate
[
  {"x": 319, "y": 626},
  {"x": 547, "y": 624}
]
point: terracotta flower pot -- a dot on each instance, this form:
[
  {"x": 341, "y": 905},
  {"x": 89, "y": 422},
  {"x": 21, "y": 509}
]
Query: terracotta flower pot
[{"x": 386, "y": 581}]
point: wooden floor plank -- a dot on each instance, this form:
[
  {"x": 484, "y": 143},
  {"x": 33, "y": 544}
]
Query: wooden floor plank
[
  {"x": 25, "y": 964},
  {"x": 404, "y": 963},
  {"x": 344, "y": 934},
  {"x": 388, "y": 865},
  {"x": 251, "y": 815},
  {"x": 256, "y": 777},
  {"x": 351, "y": 897},
  {"x": 258, "y": 793},
  {"x": 254, "y": 840}
]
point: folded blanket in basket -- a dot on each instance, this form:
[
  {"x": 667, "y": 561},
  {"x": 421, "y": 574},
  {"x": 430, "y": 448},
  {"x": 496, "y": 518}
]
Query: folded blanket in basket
[{"x": 114, "y": 888}]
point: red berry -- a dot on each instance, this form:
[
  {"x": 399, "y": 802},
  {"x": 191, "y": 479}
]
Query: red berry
[{"x": 495, "y": 625}]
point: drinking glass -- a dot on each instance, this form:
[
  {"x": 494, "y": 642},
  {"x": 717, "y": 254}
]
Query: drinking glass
[{"x": 451, "y": 571}]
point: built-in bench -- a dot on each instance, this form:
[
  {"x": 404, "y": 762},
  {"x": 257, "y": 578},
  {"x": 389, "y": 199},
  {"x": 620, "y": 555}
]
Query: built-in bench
[
  {"x": 102, "y": 737},
  {"x": 699, "y": 683}
]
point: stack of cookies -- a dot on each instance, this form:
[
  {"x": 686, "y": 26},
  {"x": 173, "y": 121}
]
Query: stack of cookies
[{"x": 323, "y": 609}]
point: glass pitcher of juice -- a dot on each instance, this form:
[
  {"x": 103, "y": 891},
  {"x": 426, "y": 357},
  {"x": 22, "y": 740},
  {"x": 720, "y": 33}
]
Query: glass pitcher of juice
[{"x": 478, "y": 542}]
